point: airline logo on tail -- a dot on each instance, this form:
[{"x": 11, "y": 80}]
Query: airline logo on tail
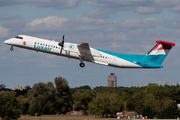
[
  {"x": 162, "y": 47},
  {"x": 159, "y": 52}
]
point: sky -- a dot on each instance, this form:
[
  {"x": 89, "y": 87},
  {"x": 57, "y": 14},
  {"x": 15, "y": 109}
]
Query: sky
[{"x": 121, "y": 26}]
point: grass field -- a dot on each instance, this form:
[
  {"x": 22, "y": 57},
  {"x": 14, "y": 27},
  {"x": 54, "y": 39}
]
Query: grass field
[{"x": 64, "y": 117}]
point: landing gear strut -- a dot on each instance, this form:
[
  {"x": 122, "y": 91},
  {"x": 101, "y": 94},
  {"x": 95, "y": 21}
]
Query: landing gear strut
[
  {"x": 11, "y": 49},
  {"x": 82, "y": 63}
]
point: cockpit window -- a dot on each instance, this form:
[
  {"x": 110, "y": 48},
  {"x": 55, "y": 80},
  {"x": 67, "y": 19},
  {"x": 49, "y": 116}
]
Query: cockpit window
[{"x": 19, "y": 37}]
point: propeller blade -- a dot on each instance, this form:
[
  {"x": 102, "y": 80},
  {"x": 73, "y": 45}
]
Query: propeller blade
[
  {"x": 62, "y": 44},
  {"x": 63, "y": 39},
  {"x": 61, "y": 50}
]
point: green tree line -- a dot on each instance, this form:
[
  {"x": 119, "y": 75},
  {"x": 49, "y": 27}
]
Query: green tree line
[{"x": 58, "y": 98}]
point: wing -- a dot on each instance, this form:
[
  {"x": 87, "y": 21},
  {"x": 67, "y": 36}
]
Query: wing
[
  {"x": 84, "y": 45},
  {"x": 84, "y": 49}
]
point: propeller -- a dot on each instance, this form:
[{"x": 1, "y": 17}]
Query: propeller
[{"x": 61, "y": 44}]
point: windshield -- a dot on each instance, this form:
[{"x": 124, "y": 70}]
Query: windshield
[{"x": 19, "y": 37}]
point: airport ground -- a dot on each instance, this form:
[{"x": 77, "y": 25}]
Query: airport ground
[
  {"x": 64, "y": 117},
  {"x": 70, "y": 117}
]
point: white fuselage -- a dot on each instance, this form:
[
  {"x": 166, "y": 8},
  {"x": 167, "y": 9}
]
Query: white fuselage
[{"x": 70, "y": 50}]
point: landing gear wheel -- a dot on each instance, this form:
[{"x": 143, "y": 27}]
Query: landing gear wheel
[
  {"x": 11, "y": 49},
  {"x": 82, "y": 65}
]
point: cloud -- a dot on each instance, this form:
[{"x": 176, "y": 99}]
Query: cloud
[
  {"x": 116, "y": 3},
  {"x": 97, "y": 32},
  {"x": 147, "y": 10},
  {"x": 175, "y": 9},
  {"x": 84, "y": 23},
  {"x": 46, "y": 24},
  {"x": 4, "y": 32},
  {"x": 16, "y": 23},
  {"x": 139, "y": 6},
  {"x": 102, "y": 13},
  {"x": 59, "y": 4},
  {"x": 166, "y": 3},
  {"x": 174, "y": 23},
  {"x": 135, "y": 24},
  {"x": 6, "y": 17}
]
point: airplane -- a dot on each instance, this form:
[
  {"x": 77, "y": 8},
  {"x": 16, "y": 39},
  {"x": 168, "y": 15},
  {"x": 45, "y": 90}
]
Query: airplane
[{"x": 83, "y": 52}]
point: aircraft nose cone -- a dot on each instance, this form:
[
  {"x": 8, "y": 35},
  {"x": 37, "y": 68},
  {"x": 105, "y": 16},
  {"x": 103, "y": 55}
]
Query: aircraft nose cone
[{"x": 7, "y": 41}]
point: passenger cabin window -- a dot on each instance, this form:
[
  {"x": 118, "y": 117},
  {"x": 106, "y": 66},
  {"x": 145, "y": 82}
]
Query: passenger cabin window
[{"x": 19, "y": 37}]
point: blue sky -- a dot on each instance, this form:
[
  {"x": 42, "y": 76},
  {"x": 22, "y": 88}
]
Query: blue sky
[{"x": 123, "y": 26}]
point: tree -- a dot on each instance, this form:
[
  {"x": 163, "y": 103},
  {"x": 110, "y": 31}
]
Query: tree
[
  {"x": 130, "y": 104},
  {"x": 37, "y": 106},
  {"x": 152, "y": 88},
  {"x": 25, "y": 104},
  {"x": 105, "y": 103},
  {"x": 63, "y": 95},
  {"x": 87, "y": 96},
  {"x": 10, "y": 107},
  {"x": 94, "y": 105},
  {"x": 116, "y": 103},
  {"x": 77, "y": 97},
  {"x": 169, "y": 109},
  {"x": 42, "y": 100},
  {"x": 47, "y": 99},
  {"x": 151, "y": 105}
]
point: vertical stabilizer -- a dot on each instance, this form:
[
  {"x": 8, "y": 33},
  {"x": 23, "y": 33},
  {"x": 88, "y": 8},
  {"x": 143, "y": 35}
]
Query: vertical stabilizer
[{"x": 159, "y": 52}]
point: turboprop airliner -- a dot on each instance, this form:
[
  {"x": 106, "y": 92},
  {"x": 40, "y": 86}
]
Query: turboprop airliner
[{"x": 83, "y": 52}]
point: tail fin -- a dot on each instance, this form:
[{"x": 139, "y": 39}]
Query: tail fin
[{"x": 159, "y": 52}]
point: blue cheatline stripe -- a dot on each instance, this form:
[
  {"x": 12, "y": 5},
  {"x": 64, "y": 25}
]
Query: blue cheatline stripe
[{"x": 142, "y": 60}]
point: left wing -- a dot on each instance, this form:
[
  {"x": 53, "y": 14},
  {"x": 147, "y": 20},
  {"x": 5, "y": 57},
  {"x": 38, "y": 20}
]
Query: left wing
[
  {"x": 84, "y": 45},
  {"x": 84, "y": 49}
]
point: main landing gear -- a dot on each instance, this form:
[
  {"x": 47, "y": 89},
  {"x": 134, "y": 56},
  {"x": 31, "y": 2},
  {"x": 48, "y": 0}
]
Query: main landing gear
[
  {"x": 11, "y": 49},
  {"x": 82, "y": 63}
]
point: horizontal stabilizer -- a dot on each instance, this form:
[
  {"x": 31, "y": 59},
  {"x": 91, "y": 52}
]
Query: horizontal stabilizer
[{"x": 164, "y": 42}]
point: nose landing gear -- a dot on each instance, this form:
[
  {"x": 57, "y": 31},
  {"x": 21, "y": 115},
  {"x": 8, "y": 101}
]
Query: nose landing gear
[{"x": 11, "y": 49}]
